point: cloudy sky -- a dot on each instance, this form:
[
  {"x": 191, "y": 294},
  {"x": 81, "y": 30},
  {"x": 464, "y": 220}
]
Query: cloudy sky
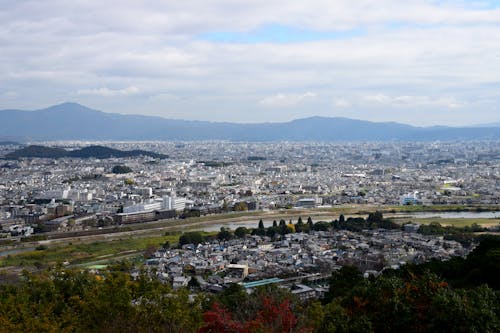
[{"x": 418, "y": 62}]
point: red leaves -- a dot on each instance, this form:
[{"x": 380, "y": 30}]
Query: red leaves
[
  {"x": 218, "y": 320},
  {"x": 279, "y": 317},
  {"x": 272, "y": 317}
]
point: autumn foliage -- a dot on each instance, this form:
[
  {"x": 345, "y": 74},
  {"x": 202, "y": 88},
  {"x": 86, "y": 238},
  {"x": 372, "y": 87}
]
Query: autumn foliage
[{"x": 272, "y": 317}]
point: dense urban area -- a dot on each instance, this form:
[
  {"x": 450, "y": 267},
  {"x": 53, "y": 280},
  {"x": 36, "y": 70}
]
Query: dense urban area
[
  {"x": 305, "y": 236},
  {"x": 211, "y": 177}
]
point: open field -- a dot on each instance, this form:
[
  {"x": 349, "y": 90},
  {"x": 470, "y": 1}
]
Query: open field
[{"x": 84, "y": 252}]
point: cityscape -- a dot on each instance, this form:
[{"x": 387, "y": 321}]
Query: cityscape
[
  {"x": 249, "y": 166},
  {"x": 243, "y": 213}
]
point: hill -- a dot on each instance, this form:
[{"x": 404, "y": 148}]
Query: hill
[
  {"x": 10, "y": 143},
  {"x": 71, "y": 121},
  {"x": 100, "y": 152}
]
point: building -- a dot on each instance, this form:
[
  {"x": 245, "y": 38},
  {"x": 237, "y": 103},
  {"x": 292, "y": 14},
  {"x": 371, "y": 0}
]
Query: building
[
  {"x": 409, "y": 199},
  {"x": 174, "y": 203},
  {"x": 144, "y": 207},
  {"x": 306, "y": 203}
]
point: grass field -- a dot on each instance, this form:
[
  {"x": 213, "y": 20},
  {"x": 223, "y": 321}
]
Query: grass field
[{"x": 85, "y": 253}]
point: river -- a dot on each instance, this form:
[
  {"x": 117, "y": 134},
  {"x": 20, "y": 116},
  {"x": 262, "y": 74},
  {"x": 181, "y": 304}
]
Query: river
[{"x": 252, "y": 223}]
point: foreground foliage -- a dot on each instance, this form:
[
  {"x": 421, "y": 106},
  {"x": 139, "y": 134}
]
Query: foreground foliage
[{"x": 457, "y": 296}]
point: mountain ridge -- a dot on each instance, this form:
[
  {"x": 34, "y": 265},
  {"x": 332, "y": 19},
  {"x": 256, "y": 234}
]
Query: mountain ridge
[{"x": 72, "y": 121}]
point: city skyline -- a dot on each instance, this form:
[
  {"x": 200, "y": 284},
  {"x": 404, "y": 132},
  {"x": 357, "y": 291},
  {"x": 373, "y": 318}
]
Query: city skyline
[{"x": 418, "y": 62}]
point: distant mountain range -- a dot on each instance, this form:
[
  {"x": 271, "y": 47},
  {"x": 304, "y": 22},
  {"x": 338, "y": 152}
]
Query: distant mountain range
[
  {"x": 489, "y": 125},
  {"x": 71, "y": 121},
  {"x": 9, "y": 143},
  {"x": 87, "y": 152}
]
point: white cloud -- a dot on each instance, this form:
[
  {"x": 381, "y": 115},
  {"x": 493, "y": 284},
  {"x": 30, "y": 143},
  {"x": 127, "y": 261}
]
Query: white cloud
[
  {"x": 106, "y": 92},
  {"x": 341, "y": 103},
  {"x": 287, "y": 100},
  {"x": 412, "y": 101},
  {"x": 439, "y": 55}
]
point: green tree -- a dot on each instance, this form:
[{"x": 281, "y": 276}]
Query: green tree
[
  {"x": 310, "y": 225},
  {"x": 342, "y": 281},
  {"x": 192, "y": 237},
  {"x": 376, "y": 217},
  {"x": 261, "y": 230},
  {"x": 120, "y": 169},
  {"x": 241, "y": 232},
  {"x": 321, "y": 226},
  {"x": 224, "y": 234},
  {"x": 299, "y": 226}
]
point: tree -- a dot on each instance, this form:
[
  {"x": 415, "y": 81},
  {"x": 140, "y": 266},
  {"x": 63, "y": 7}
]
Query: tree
[
  {"x": 341, "y": 218},
  {"x": 235, "y": 297},
  {"x": 150, "y": 251},
  {"x": 376, "y": 217},
  {"x": 299, "y": 227},
  {"x": 255, "y": 313},
  {"x": 272, "y": 232},
  {"x": 321, "y": 226},
  {"x": 241, "y": 232},
  {"x": 241, "y": 206},
  {"x": 310, "y": 225},
  {"x": 224, "y": 234},
  {"x": 261, "y": 230},
  {"x": 218, "y": 320},
  {"x": 283, "y": 227},
  {"x": 342, "y": 281},
  {"x": 120, "y": 169},
  {"x": 192, "y": 237},
  {"x": 193, "y": 283}
]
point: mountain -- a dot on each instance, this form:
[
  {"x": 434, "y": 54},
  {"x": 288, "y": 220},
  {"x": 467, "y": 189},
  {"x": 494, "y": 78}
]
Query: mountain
[
  {"x": 71, "y": 121},
  {"x": 10, "y": 143},
  {"x": 489, "y": 125},
  {"x": 87, "y": 152}
]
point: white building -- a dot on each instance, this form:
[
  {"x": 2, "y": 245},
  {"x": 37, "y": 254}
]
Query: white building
[
  {"x": 176, "y": 203},
  {"x": 144, "y": 207}
]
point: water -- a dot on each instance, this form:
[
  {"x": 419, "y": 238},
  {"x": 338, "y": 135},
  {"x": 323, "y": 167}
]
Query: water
[
  {"x": 234, "y": 225},
  {"x": 267, "y": 223},
  {"x": 454, "y": 215}
]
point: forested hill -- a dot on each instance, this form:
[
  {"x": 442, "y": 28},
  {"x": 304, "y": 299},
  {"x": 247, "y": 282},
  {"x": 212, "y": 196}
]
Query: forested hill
[
  {"x": 71, "y": 121},
  {"x": 86, "y": 152}
]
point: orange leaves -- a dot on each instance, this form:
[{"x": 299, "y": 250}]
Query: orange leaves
[{"x": 360, "y": 302}]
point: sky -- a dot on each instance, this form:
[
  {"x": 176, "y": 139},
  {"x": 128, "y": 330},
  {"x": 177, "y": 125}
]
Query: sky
[{"x": 416, "y": 62}]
